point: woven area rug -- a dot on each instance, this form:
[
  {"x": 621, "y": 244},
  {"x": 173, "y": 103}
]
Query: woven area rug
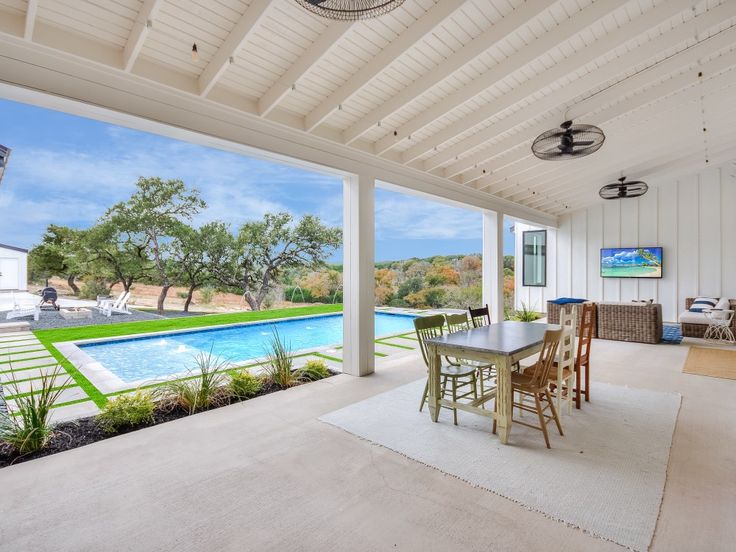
[
  {"x": 706, "y": 361},
  {"x": 606, "y": 476}
]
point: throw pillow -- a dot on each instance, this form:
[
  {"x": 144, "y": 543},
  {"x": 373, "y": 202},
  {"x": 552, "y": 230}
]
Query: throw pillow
[
  {"x": 703, "y": 303},
  {"x": 723, "y": 304}
]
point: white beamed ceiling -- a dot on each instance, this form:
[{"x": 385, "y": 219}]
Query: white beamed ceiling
[{"x": 465, "y": 85}]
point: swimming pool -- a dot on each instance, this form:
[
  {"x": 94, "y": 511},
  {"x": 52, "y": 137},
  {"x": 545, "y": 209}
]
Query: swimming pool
[{"x": 157, "y": 356}]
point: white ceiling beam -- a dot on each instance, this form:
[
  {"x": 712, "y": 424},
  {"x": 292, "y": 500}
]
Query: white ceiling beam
[
  {"x": 30, "y": 23},
  {"x": 637, "y": 167},
  {"x": 474, "y": 167},
  {"x": 676, "y": 127},
  {"x": 499, "y": 180},
  {"x": 722, "y": 67},
  {"x": 413, "y": 34},
  {"x": 138, "y": 33},
  {"x": 313, "y": 55},
  {"x": 579, "y": 87},
  {"x": 634, "y": 162},
  {"x": 497, "y": 33},
  {"x": 535, "y": 49},
  {"x": 234, "y": 41},
  {"x": 632, "y": 159}
]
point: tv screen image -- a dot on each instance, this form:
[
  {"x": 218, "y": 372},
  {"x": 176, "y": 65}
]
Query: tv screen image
[{"x": 631, "y": 262}]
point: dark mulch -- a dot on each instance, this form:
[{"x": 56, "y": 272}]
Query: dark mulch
[{"x": 85, "y": 431}]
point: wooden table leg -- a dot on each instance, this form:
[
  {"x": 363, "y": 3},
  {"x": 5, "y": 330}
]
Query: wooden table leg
[
  {"x": 504, "y": 399},
  {"x": 435, "y": 390}
]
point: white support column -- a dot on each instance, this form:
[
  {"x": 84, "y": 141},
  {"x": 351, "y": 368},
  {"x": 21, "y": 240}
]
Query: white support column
[
  {"x": 358, "y": 279},
  {"x": 493, "y": 263}
]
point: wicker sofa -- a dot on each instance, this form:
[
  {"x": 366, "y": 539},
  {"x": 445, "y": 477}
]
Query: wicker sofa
[
  {"x": 694, "y": 324},
  {"x": 639, "y": 322}
]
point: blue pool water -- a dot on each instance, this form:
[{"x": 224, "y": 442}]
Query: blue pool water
[{"x": 143, "y": 358}]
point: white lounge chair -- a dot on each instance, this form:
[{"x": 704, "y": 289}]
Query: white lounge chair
[
  {"x": 119, "y": 307},
  {"x": 104, "y": 301},
  {"x": 21, "y": 311}
]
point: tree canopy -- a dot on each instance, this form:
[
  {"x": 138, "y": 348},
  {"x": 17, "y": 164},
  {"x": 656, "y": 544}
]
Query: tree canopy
[{"x": 255, "y": 259}]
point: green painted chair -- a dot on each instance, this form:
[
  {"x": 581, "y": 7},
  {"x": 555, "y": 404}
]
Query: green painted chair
[
  {"x": 462, "y": 378},
  {"x": 486, "y": 372}
]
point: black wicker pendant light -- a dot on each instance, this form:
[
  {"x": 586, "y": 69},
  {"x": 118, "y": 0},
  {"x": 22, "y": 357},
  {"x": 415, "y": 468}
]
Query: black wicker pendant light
[
  {"x": 568, "y": 141},
  {"x": 623, "y": 189},
  {"x": 350, "y": 10}
]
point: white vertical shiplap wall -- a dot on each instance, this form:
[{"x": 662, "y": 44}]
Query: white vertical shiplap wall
[{"x": 693, "y": 217}]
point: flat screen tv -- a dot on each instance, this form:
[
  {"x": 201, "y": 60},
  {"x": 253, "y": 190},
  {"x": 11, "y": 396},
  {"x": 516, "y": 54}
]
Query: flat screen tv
[{"x": 631, "y": 262}]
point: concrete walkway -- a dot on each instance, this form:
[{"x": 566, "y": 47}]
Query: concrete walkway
[{"x": 267, "y": 475}]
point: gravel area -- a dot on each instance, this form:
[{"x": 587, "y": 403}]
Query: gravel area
[{"x": 51, "y": 319}]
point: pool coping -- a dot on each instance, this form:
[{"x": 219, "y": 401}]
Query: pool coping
[{"x": 108, "y": 383}]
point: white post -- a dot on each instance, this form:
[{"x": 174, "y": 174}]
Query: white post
[
  {"x": 493, "y": 263},
  {"x": 358, "y": 279}
]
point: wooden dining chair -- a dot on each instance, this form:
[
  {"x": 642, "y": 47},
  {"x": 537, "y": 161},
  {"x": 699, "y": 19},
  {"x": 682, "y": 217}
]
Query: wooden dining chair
[
  {"x": 534, "y": 384},
  {"x": 582, "y": 358},
  {"x": 563, "y": 376},
  {"x": 486, "y": 372},
  {"x": 461, "y": 377},
  {"x": 480, "y": 316}
]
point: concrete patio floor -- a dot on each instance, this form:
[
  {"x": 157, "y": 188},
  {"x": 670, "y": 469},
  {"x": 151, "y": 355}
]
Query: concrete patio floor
[{"x": 267, "y": 475}]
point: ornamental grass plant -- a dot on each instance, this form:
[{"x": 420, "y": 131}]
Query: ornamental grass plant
[{"x": 29, "y": 428}]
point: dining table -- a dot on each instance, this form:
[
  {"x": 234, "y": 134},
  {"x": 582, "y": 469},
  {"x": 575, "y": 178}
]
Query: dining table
[{"x": 502, "y": 344}]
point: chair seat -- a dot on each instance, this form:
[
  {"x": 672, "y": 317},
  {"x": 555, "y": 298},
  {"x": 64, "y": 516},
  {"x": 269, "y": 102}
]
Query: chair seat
[
  {"x": 456, "y": 371},
  {"x": 566, "y": 372},
  {"x": 521, "y": 379}
]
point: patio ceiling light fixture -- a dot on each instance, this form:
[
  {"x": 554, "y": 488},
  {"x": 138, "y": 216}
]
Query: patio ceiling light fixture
[{"x": 350, "y": 10}]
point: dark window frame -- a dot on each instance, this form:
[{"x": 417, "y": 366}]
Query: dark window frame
[{"x": 523, "y": 258}]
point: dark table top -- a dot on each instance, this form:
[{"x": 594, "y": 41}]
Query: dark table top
[{"x": 504, "y": 338}]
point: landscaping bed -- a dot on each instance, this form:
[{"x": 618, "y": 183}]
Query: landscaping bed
[{"x": 85, "y": 431}]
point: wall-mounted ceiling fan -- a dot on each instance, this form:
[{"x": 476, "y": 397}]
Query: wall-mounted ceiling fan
[
  {"x": 623, "y": 189},
  {"x": 570, "y": 140}
]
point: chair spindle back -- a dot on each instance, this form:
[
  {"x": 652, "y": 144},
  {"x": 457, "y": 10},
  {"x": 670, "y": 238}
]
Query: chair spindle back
[
  {"x": 587, "y": 317},
  {"x": 480, "y": 316},
  {"x": 428, "y": 327}
]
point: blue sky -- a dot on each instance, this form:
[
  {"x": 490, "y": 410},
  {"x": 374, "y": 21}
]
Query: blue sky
[{"x": 67, "y": 170}]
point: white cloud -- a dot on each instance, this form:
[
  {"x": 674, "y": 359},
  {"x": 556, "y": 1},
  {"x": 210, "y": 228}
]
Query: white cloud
[{"x": 409, "y": 217}]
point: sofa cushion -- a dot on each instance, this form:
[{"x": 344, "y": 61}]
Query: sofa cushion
[
  {"x": 689, "y": 317},
  {"x": 703, "y": 303}
]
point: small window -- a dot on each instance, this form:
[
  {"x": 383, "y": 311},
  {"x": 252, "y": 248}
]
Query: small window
[{"x": 534, "y": 268}]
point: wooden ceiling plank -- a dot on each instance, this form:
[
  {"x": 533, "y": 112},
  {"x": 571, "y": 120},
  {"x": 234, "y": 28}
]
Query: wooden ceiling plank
[
  {"x": 313, "y": 55},
  {"x": 499, "y": 32},
  {"x": 548, "y": 103},
  {"x": 474, "y": 167},
  {"x": 256, "y": 11},
  {"x": 413, "y": 34}
]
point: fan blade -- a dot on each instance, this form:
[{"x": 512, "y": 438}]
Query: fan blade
[{"x": 584, "y": 143}]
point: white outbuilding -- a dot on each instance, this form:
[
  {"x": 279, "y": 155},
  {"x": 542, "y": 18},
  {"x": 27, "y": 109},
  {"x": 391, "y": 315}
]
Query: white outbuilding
[{"x": 13, "y": 268}]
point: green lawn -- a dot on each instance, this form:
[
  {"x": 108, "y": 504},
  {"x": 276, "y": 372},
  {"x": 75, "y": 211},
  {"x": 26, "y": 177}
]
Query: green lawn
[{"x": 48, "y": 337}]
